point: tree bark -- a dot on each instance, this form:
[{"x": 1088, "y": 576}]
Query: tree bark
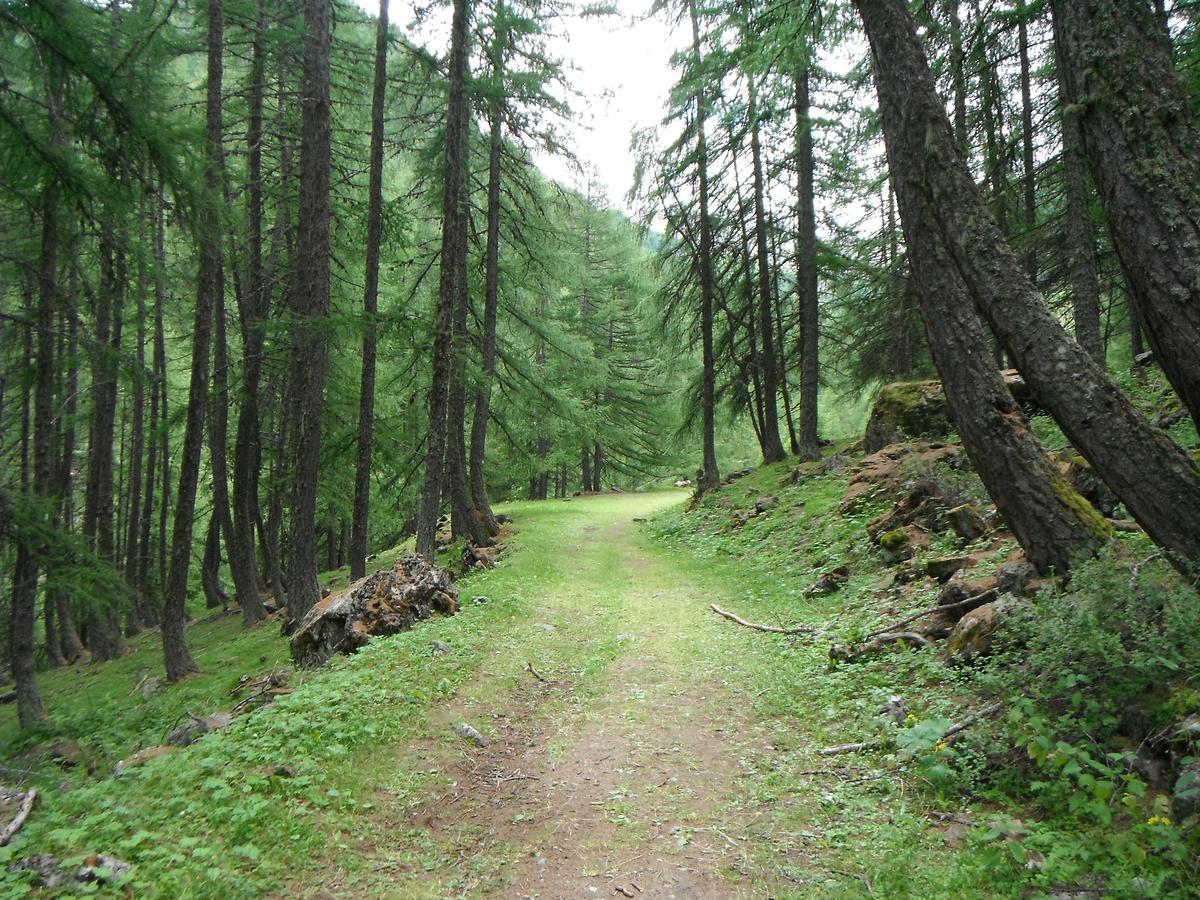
[
  {"x": 450, "y": 283},
  {"x": 253, "y": 310},
  {"x": 710, "y": 475},
  {"x": 1151, "y": 475},
  {"x": 772, "y": 444},
  {"x": 1141, "y": 137},
  {"x": 491, "y": 290},
  {"x": 210, "y": 566},
  {"x": 177, "y": 657},
  {"x": 366, "y": 391},
  {"x": 310, "y": 346},
  {"x": 806, "y": 266},
  {"x": 1029, "y": 173},
  {"x": 1081, "y": 242}
]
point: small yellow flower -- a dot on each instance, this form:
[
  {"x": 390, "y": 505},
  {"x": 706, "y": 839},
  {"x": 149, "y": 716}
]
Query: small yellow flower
[
  {"x": 1158, "y": 820},
  {"x": 939, "y": 746},
  {"x": 909, "y": 719}
]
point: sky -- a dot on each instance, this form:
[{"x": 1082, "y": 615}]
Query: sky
[{"x": 619, "y": 65}]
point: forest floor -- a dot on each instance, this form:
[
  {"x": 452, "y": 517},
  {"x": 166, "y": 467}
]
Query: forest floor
[{"x": 637, "y": 744}]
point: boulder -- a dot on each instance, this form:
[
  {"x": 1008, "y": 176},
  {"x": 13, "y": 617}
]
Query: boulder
[
  {"x": 966, "y": 522},
  {"x": 1081, "y": 477},
  {"x": 142, "y": 757},
  {"x": 905, "y": 410},
  {"x": 762, "y": 504},
  {"x": 943, "y": 569},
  {"x": 1185, "y": 799},
  {"x": 386, "y": 602},
  {"x": 972, "y": 637},
  {"x": 1015, "y": 577},
  {"x": 830, "y": 581},
  {"x": 189, "y": 732}
]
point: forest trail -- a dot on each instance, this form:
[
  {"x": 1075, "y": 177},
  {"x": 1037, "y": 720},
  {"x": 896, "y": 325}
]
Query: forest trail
[{"x": 619, "y": 775}]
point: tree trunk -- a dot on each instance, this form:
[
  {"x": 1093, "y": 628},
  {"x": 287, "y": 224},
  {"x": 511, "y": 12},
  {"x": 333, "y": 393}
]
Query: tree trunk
[
  {"x": 72, "y": 646},
  {"x": 491, "y": 290},
  {"x": 1141, "y": 137},
  {"x": 598, "y": 468},
  {"x": 710, "y": 475},
  {"x": 1029, "y": 174},
  {"x": 210, "y": 566},
  {"x": 133, "y": 546},
  {"x": 1081, "y": 243},
  {"x": 366, "y": 391},
  {"x": 104, "y": 633},
  {"x": 177, "y": 657},
  {"x": 806, "y": 270},
  {"x": 772, "y": 444},
  {"x": 1151, "y": 475},
  {"x": 450, "y": 284},
  {"x": 310, "y": 345}
]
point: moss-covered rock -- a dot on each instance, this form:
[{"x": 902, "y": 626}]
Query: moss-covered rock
[{"x": 905, "y": 410}]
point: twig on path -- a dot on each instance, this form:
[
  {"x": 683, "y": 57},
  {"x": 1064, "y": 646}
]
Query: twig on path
[
  {"x": 14, "y": 826},
  {"x": 771, "y": 629},
  {"x": 948, "y": 735},
  {"x": 536, "y": 674},
  {"x": 952, "y": 817},
  {"x": 977, "y": 600}
]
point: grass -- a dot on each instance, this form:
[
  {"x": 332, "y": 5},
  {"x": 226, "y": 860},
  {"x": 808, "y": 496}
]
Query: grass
[{"x": 616, "y": 614}]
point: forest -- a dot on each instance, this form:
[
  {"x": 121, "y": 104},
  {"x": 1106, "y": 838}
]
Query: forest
[{"x": 384, "y": 513}]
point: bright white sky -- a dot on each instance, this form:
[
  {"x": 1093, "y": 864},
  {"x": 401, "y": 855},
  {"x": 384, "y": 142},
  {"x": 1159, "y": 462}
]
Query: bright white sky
[{"x": 620, "y": 67}]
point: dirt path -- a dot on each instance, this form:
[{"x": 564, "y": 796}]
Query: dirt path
[{"x": 616, "y": 776}]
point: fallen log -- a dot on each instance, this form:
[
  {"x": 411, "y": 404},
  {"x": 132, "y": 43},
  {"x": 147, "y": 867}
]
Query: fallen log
[
  {"x": 771, "y": 629},
  {"x": 840, "y": 653},
  {"x": 11, "y": 829}
]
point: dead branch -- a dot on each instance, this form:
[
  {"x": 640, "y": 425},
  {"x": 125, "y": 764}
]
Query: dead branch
[
  {"x": 851, "y": 748},
  {"x": 969, "y": 603},
  {"x": 536, "y": 674},
  {"x": 771, "y": 629},
  {"x": 11, "y": 829},
  {"x": 952, "y": 817}
]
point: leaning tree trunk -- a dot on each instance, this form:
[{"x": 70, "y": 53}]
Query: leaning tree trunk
[
  {"x": 450, "y": 284},
  {"x": 1142, "y": 139},
  {"x": 310, "y": 306},
  {"x": 366, "y": 391},
  {"x": 1051, "y": 521},
  {"x": 1151, "y": 475}
]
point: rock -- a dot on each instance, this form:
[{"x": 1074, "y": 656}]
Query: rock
[
  {"x": 503, "y": 519},
  {"x": 741, "y": 517},
  {"x": 440, "y": 647},
  {"x": 386, "y": 602},
  {"x": 1152, "y": 767},
  {"x": 830, "y": 581},
  {"x": 921, "y": 505},
  {"x": 1014, "y": 578},
  {"x": 462, "y": 729},
  {"x": 895, "y": 709},
  {"x": 1144, "y": 359},
  {"x": 683, "y": 482},
  {"x": 905, "y": 410},
  {"x": 1188, "y": 731},
  {"x": 65, "y": 753},
  {"x": 972, "y": 637},
  {"x": 1081, "y": 477},
  {"x": 966, "y": 522},
  {"x": 190, "y": 732},
  {"x": 1168, "y": 420},
  {"x": 1185, "y": 798},
  {"x": 734, "y": 476},
  {"x": 762, "y": 504},
  {"x": 958, "y": 588},
  {"x": 479, "y": 558},
  {"x": 102, "y": 868},
  {"x": 142, "y": 757},
  {"x": 479, "y": 601},
  {"x": 545, "y": 626},
  {"x": 943, "y": 569},
  {"x": 616, "y": 490},
  {"x": 897, "y": 545},
  {"x": 888, "y": 472}
]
